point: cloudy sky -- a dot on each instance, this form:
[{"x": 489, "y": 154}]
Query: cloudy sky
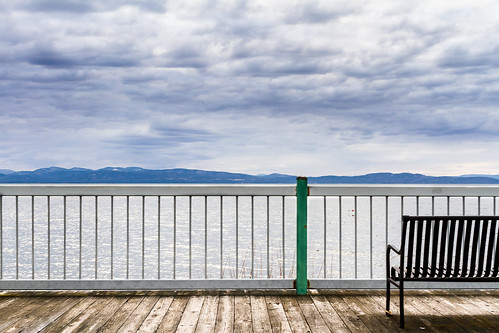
[{"x": 296, "y": 87}]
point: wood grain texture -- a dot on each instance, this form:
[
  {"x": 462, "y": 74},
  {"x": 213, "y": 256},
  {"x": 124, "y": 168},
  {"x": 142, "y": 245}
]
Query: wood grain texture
[{"x": 256, "y": 311}]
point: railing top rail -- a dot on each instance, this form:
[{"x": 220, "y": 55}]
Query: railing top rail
[
  {"x": 247, "y": 189},
  {"x": 403, "y": 190},
  {"x": 147, "y": 189}
]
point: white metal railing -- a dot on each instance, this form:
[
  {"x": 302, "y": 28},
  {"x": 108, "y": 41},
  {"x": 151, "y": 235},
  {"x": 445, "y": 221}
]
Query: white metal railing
[
  {"x": 209, "y": 236},
  {"x": 146, "y": 236},
  {"x": 350, "y": 235}
]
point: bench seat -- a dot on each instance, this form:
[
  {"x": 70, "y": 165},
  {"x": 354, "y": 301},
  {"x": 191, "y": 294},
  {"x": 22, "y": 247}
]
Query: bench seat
[{"x": 444, "y": 277}]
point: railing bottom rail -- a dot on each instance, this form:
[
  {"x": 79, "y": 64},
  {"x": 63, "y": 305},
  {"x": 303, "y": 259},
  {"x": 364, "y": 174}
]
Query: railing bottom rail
[{"x": 221, "y": 284}]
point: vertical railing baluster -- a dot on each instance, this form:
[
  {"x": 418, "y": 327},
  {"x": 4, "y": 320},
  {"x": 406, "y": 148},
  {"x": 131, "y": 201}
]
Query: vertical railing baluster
[
  {"x": 48, "y": 242},
  {"x": 432, "y": 205},
  {"x": 237, "y": 237},
  {"x": 268, "y": 238},
  {"x": 80, "y": 236},
  {"x": 190, "y": 237},
  {"x": 96, "y": 236},
  {"x": 174, "y": 236},
  {"x": 417, "y": 205},
  {"x": 448, "y": 205},
  {"x": 324, "y": 264},
  {"x": 205, "y": 236},
  {"x": 341, "y": 235},
  {"x": 1, "y": 237},
  {"x": 371, "y": 234},
  {"x": 112, "y": 237},
  {"x": 127, "y": 237},
  {"x": 32, "y": 237},
  {"x": 65, "y": 234},
  {"x": 252, "y": 237},
  {"x": 17, "y": 237},
  {"x": 386, "y": 221},
  {"x": 283, "y": 237},
  {"x": 464, "y": 205},
  {"x": 143, "y": 234},
  {"x": 479, "y": 205},
  {"x": 355, "y": 223},
  {"x": 221, "y": 235},
  {"x": 401, "y": 206},
  {"x": 159, "y": 237}
]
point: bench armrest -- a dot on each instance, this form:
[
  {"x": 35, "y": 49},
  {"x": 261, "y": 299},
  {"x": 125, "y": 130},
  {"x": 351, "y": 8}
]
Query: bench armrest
[
  {"x": 388, "y": 265},
  {"x": 393, "y": 248}
]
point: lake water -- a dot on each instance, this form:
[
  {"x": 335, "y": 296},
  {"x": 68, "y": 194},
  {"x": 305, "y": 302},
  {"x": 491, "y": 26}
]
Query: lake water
[{"x": 256, "y": 242}]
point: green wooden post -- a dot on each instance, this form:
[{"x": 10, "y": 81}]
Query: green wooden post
[{"x": 301, "y": 235}]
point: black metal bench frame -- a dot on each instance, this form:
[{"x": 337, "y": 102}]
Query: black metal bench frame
[{"x": 444, "y": 249}]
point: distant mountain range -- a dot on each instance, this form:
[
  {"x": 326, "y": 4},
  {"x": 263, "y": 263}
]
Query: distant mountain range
[{"x": 139, "y": 175}]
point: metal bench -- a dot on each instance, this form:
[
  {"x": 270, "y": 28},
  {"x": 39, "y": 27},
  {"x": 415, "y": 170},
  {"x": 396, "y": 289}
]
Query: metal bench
[{"x": 444, "y": 249}]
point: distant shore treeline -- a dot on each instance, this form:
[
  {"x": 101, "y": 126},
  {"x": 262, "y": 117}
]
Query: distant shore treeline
[{"x": 139, "y": 175}]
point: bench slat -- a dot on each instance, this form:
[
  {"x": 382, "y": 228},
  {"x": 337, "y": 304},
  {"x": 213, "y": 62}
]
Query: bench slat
[
  {"x": 443, "y": 240},
  {"x": 426, "y": 253},
  {"x": 419, "y": 244},
  {"x": 434, "y": 247},
  {"x": 459, "y": 244},
  {"x": 492, "y": 242},
  {"x": 466, "y": 248},
  {"x": 474, "y": 247},
  {"x": 450, "y": 249},
  {"x": 483, "y": 244},
  {"x": 410, "y": 248}
]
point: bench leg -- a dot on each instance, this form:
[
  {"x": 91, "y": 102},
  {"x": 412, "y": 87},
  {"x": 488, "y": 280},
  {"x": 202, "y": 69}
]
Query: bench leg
[
  {"x": 401, "y": 297},
  {"x": 387, "y": 312}
]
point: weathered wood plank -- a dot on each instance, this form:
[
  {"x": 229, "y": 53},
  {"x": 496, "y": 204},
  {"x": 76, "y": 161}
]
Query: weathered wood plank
[
  {"x": 7, "y": 301},
  {"x": 48, "y": 315},
  {"x": 153, "y": 320},
  {"x": 260, "y": 314},
  {"x": 485, "y": 301},
  {"x": 329, "y": 314},
  {"x": 349, "y": 317},
  {"x": 17, "y": 304},
  {"x": 92, "y": 324},
  {"x": 428, "y": 313},
  {"x": 277, "y": 315},
  {"x": 80, "y": 320},
  {"x": 415, "y": 319},
  {"x": 312, "y": 315},
  {"x": 34, "y": 315},
  {"x": 450, "y": 306},
  {"x": 208, "y": 315},
  {"x": 225, "y": 315},
  {"x": 172, "y": 318},
  {"x": 474, "y": 304},
  {"x": 372, "y": 317},
  {"x": 11, "y": 315},
  {"x": 137, "y": 317},
  {"x": 115, "y": 322},
  {"x": 190, "y": 317},
  {"x": 242, "y": 314},
  {"x": 59, "y": 323},
  {"x": 295, "y": 316}
]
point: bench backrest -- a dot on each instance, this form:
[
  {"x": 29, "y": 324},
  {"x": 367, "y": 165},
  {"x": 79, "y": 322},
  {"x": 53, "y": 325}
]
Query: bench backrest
[{"x": 450, "y": 246}]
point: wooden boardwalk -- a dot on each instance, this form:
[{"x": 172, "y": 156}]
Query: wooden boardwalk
[{"x": 256, "y": 311}]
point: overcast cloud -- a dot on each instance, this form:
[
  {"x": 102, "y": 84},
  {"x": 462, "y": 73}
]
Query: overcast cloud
[{"x": 297, "y": 87}]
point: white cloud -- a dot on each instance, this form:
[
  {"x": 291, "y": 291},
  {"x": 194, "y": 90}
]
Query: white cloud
[{"x": 304, "y": 87}]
